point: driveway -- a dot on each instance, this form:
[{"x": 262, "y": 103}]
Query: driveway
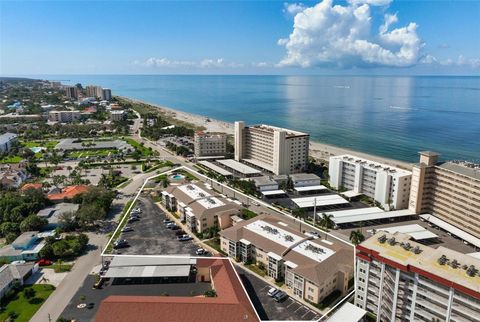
[
  {"x": 151, "y": 237},
  {"x": 53, "y": 307}
]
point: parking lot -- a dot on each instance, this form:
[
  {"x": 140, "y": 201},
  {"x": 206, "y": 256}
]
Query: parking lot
[
  {"x": 151, "y": 237},
  {"x": 267, "y": 308}
]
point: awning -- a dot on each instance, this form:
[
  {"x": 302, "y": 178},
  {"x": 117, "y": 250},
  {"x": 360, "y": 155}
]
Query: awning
[{"x": 452, "y": 229}]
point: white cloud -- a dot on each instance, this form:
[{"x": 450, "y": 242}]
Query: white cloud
[
  {"x": 163, "y": 62},
  {"x": 328, "y": 34},
  {"x": 293, "y": 8},
  {"x": 460, "y": 61}
]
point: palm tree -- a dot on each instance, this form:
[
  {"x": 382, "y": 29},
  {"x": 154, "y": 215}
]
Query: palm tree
[
  {"x": 356, "y": 237},
  {"x": 326, "y": 221}
]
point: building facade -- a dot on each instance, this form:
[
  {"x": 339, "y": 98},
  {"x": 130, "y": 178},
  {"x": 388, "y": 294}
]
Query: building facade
[
  {"x": 71, "y": 92},
  {"x": 401, "y": 280},
  {"x": 210, "y": 144},
  {"x": 94, "y": 91},
  {"x": 106, "y": 94},
  {"x": 311, "y": 268},
  {"x": 390, "y": 186},
  {"x": 117, "y": 115},
  {"x": 64, "y": 116},
  {"x": 448, "y": 190},
  {"x": 6, "y": 141},
  {"x": 274, "y": 149}
]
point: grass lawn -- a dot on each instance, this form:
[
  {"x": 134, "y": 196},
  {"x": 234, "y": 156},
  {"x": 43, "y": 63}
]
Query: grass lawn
[
  {"x": 60, "y": 268},
  {"x": 92, "y": 153},
  {"x": 256, "y": 269},
  {"x": 25, "y": 308},
  {"x": 45, "y": 144},
  {"x": 145, "y": 151},
  {"x": 13, "y": 159}
]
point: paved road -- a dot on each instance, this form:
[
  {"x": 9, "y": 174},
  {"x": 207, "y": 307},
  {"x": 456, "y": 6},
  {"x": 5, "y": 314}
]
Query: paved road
[{"x": 59, "y": 299}]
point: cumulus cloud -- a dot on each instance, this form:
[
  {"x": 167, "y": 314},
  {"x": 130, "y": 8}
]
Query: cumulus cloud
[
  {"x": 163, "y": 62},
  {"x": 293, "y": 8},
  {"x": 337, "y": 35}
]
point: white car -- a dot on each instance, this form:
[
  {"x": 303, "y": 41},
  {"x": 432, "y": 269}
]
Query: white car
[
  {"x": 272, "y": 291},
  {"x": 200, "y": 251}
]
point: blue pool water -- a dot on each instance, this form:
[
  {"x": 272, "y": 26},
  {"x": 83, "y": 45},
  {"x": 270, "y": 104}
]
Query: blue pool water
[
  {"x": 388, "y": 116},
  {"x": 178, "y": 177}
]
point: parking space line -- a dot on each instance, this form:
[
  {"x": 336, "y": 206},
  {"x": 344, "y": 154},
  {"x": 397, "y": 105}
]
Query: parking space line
[
  {"x": 308, "y": 312},
  {"x": 293, "y": 302},
  {"x": 301, "y": 307}
]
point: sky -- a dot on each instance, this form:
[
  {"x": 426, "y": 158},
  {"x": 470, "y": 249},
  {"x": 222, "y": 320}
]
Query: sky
[{"x": 240, "y": 37}]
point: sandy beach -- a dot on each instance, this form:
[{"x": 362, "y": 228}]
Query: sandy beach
[{"x": 318, "y": 150}]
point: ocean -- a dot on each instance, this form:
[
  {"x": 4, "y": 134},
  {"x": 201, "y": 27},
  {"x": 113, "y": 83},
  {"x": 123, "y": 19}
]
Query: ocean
[{"x": 388, "y": 116}]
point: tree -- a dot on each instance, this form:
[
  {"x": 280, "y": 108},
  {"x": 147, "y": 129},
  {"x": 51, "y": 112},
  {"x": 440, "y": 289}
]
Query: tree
[
  {"x": 299, "y": 213},
  {"x": 29, "y": 293},
  {"x": 58, "y": 180},
  {"x": 67, "y": 221},
  {"x": 326, "y": 221},
  {"x": 32, "y": 222},
  {"x": 356, "y": 237}
]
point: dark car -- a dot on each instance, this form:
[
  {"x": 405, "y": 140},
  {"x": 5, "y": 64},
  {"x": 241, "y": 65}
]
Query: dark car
[
  {"x": 90, "y": 305},
  {"x": 133, "y": 219},
  {"x": 280, "y": 296},
  {"x": 121, "y": 243},
  {"x": 127, "y": 229},
  {"x": 180, "y": 232}
]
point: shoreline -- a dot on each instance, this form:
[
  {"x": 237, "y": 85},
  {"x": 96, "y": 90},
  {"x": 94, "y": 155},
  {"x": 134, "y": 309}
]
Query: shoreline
[{"x": 317, "y": 150}]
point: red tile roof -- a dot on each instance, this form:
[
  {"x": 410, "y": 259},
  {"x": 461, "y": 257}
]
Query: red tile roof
[
  {"x": 68, "y": 192},
  {"x": 231, "y": 304},
  {"x": 27, "y": 186}
]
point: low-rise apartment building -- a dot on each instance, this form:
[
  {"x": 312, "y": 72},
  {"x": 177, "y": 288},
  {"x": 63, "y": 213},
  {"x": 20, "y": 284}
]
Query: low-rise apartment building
[
  {"x": 311, "y": 268},
  {"x": 389, "y": 186},
  {"x": 199, "y": 208},
  {"x": 401, "y": 280},
  {"x": 274, "y": 149},
  {"x": 64, "y": 116},
  {"x": 210, "y": 144},
  {"x": 117, "y": 115},
  {"x": 447, "y": 190}
]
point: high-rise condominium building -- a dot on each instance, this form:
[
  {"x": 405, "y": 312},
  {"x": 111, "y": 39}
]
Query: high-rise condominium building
[
  {"x": 390, "y": 186},
  {"x": 448, "y": 190},
  {"x": 94, "y": 91},
  {"x": 64, "y": 116},
  {"x": 278, "y": 150},
  {"x": 401, "y": 280},
  {"x": 106, "y": 94},
  {"x": 210, "y": 144},
  {"x": 71, "y": 92}
]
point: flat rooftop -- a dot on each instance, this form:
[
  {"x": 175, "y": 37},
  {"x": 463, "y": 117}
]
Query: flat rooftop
[
  {"x": 366, "y": 214},
  {"x": 239, "y": 167},
  {"x": 416, "y": 231},
  {"x": 205, "y": 199},
  {"x": 310, "y": 188},
  {"x": 464, "y": 168},
  {"x": 216, "y": 168},
  {"x": 373, "y": 165},
  {"x": 319, "y": 201},
  {"x": 271, "y": 128},
  {"x": 427, "y": 259}
]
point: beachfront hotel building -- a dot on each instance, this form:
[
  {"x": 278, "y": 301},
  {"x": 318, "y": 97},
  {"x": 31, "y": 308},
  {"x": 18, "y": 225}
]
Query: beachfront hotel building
[
  {"x": 64, "y": 116},
  {"x": 274, "y": 149},
  {"x": 210, "y": 144},
  {"x": 449, "y": 191},
  {"x": 94, "y": 91},
  {"x": 390, "y": 186},
  {"x": 106, "y": 94},
  {"x": 311, "y": 268},
  {"x": 199, "y": 206},
  {"x": 401, "y": 280},
  {"x": 71, "y": 92}
]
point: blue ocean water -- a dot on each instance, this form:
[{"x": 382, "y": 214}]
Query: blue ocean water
[{"x": 388, "y": 116}]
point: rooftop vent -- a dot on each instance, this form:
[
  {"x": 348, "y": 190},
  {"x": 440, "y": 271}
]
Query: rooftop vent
[
  {"x": 392, "y": 241},
  {"x": 382, "y": 239},
  {"x": 471, "y": 271},
  {"x": 442, "y": 260}
]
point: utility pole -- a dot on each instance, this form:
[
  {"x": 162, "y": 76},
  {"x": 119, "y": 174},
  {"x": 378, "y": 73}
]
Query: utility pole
[{"x": 314, "y": 211}]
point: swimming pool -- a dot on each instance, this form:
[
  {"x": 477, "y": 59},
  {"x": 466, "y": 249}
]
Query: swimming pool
[
  {"x": 37, "y": 149},
  {"x": 177, "y": 176}
]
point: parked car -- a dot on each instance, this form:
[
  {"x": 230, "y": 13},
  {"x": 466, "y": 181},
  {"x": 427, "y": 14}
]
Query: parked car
[
  {"x": 184, "y": 237},
  {"x": 121, "y": 243},
  {"x": 180, "y": 232},
  {"x": 313, "y": 234},
  {"x": 167, "y": 221},
  {"x": 201, "y": 251},
  {"x": 90, "y": 305},
  {"x": 127, "y": 229},
  {"x": 172, "y": 226},
  {"x": 272, "y": 291},
  {"x": 280, "y": 296},
  {"x": 132, "y": 219},
  {"x": 44, "y": 262}
]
